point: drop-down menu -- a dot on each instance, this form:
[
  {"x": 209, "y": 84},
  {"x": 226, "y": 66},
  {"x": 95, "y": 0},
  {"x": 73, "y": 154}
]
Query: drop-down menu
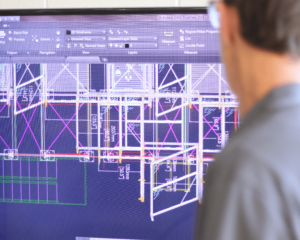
[{"x": 132, "y": 39}]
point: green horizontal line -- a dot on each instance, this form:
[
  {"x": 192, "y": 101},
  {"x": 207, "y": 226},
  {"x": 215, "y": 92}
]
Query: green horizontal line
[
  {"x": 28, "y": 182},
  {"x": 28, "y": 178},
  {"x": 34, "y": 201}
]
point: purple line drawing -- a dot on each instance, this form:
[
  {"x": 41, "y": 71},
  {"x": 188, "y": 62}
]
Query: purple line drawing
[
  {"x": 26, "y": 128},
  {"x": 5, "y": 143},
  {"x": 66, "y": 126},
  {"x": 29, "y": 127},
  {"x": 3, "y": 107}
]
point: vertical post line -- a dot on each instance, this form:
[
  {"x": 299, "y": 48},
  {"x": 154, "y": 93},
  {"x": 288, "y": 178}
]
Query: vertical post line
[
  {"x": 150, "y": 86},
  {"x": 29, "y": 179},
  {"x": 201, "y": 146},
  {"x": 21, "y": 180},
  {"x": 9, "y": 82},
  {"x": 220, "y": 82},
  {"x": 3, "y": 188},
  {"x": 120, "y": 124},
  {"x": 156, "y": 105},
  {"x": 201, "y": 176},
  {"x": 46, "y": 99},
  {"x": 15, "y": 89},
  {"x": 142, "y": 151},
  {"x": 45, "y": 92},
  {"x": 190, "y": 80},
  {"x": 38, "y": 179},
  {"x": 77, "y": 106},
  {"x": 42, "y": 99},
  {"x": 156, "y": 89},
  {"x": 223, "y": 119},
  {"x": 183, "y": 126},
  {"x": 151, "y": 189},
  {"x": 198, "y": 176},
  {"x": 182, "y": 123},
  {"x": 47, "y": 187},
  {"x": 56, "y": 181},
  {"x": 108, "y": 82},
  {"x": 89, "y": 109},
  {"x": 99, "y": 127},
  {"x": 15, "y": 107},
  {"x": 126, "y": 118}
]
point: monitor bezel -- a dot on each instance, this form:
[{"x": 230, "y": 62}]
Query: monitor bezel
[{"x": 103, "y": 11}]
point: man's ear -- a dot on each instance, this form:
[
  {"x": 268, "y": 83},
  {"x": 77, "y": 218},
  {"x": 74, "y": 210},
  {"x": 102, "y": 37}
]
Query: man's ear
[{"x": 229, "y": 20}]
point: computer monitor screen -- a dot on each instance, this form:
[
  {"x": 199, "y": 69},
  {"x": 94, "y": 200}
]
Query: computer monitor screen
[{"x": 108, "y": 122}]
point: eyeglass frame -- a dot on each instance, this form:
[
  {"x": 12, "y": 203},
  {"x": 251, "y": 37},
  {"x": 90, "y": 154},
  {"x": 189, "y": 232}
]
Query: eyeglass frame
[{"x": 214, "y": 15}]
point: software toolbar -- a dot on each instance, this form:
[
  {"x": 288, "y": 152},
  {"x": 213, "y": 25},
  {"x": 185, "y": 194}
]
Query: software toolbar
[{"x": 108, "y": 41}]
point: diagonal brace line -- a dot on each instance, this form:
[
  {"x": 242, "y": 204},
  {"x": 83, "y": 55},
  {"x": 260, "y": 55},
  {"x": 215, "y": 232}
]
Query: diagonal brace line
[
  {"x": 4, "y": 142},
  {"x": 66, "y": 126},
  {"x": 26, "y": 128},
  {"x": 3, "y": 107},
  {"x": 171, "y": 127},
  {"x": 130, "y": 128},
  {"x": 29, "y": 127},
  {"x": 188, "y": 189},
  {"x": 214, "y": 125},
  {"x": 212, "y": 128}
]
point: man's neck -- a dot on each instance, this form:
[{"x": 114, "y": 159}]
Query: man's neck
[{"x": 262, "y": 72}]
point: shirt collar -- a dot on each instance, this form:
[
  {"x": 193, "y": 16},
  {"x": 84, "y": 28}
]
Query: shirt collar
[{"x": 279, "y": 98}]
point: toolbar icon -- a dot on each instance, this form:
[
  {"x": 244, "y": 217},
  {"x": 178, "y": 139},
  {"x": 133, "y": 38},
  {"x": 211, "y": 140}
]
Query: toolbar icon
[
  {"x": 118, "y": 72},
  {"x": 10, "y": 19},
  {"x": 2, "y": 34},
  {"x": 35, "y": 38},
  {"x": 168, "y": 34}
]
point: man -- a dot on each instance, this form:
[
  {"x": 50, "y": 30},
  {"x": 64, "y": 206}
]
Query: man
[{"x": 253, "y": 187}]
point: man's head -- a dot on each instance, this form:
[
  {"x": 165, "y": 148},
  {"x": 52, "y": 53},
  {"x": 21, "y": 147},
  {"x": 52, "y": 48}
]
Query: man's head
[
  {"x": 258, "y": 30},
  {"x": 270, "y": 24}
]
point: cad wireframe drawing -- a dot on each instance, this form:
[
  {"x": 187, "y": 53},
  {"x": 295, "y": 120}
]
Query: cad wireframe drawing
[{"x": 162, "y": 122}]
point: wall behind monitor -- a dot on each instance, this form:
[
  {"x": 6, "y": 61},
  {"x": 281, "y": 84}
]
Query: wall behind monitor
[{"x": 98, "y": 3}]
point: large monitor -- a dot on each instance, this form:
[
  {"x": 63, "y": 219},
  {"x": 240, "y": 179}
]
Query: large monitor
[{"x": 109, "y": 119}]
